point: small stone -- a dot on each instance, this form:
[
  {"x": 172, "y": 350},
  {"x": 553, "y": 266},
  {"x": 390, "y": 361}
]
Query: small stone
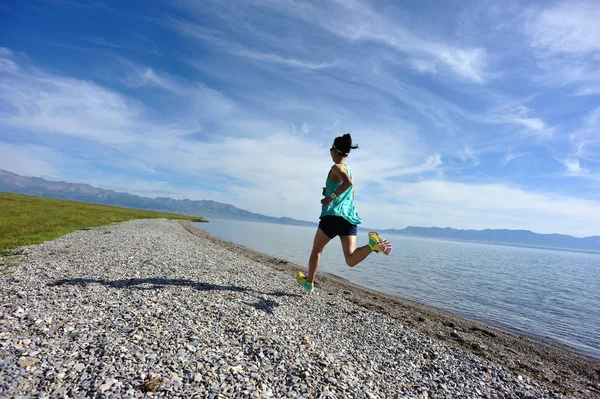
[
  {"x": 79, "y": 367},
  {"x": 237, "y": 369},
  {"x": 153, "y": 383},
  {"x": 106, "y": 385},
  {"x": 478, "y": 347},
  {"x": 306, "y": 341},
  {"x": 27, "y": 361}
]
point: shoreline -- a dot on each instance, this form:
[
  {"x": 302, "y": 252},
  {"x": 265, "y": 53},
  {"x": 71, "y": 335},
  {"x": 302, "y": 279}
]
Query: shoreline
[
  {"x": 552, "y": 363},
  {"x": 498, "y": 326},
  {"x": 593, "y": 355}
]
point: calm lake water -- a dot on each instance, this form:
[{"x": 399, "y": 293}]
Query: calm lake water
[{"x": 550, "y": 294}]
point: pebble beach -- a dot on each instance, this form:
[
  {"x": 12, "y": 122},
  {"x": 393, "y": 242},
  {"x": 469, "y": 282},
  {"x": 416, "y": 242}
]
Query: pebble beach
[{"x": 157, "y": 308}]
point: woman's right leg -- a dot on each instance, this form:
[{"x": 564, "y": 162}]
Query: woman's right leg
[{"x": 319, "y": 243}]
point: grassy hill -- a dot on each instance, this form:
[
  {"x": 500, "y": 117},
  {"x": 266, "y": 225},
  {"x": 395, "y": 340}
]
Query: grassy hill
[{"x": 26, "y": 220}]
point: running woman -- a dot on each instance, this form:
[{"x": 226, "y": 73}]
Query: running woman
[{"x": 339, "y": 216}]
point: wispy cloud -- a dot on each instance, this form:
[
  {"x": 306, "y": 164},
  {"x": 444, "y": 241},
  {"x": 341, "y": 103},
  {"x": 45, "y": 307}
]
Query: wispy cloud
[
  {"x": 565, "y": 37},
  {"x": 101, "y": 42},
  {"x": 585, "y": 146},
  {"x": 566, "y": 27},
  {"x": 512, "y": 156},
  {"x": 215, "y": 38},
  {"x": 36, "y": 101},
  {"x": 516, "y": 114},
  {"x": 573, "y": 168},
  {"x": 274, "y": 58},
  {"x": 431, "y": 164},
  {"x": 356, "y": 21},
  {"x": 468, "y": 155},
  {"x": 133, "y": 43}
]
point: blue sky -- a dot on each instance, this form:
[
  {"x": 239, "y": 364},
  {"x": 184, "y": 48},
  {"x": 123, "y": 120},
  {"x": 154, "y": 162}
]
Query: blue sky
[{"x": 470, "y": 115}]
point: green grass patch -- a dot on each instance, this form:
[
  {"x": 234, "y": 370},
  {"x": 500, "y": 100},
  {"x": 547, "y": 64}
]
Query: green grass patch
[{"x": 26, "y": 220}]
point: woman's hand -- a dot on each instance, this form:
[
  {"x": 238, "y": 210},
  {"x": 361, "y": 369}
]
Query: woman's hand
[{"x": 326, "y": 201}]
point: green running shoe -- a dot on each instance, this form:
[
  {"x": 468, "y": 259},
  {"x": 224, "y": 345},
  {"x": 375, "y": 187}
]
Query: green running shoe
[
  {"x": 301, "y": 278},
  {"x": 379, "y": 244}
]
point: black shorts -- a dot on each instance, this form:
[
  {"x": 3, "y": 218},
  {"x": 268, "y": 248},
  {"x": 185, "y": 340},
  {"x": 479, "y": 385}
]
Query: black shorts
[{"x": 337, "y": 226}]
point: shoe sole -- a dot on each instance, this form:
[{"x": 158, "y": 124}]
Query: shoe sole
[{"x": 378, "y": 239}]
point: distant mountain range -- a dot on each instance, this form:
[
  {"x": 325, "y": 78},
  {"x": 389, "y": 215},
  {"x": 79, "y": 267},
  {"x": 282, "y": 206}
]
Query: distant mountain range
[
  {"x": 14, "y": 183},
  {"x": 507, "y": 237}
]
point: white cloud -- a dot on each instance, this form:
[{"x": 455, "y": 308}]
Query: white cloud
[
  {"x": 431, "y": 164},
  {"x": 353, "y": 21},
  {"x": 355, "y": 65},
  {"x": 424, "y": 66},
  {"x": 588, "y": 90},
  {"x": 216, "y": 39},
  {"x": 7, "y": 65},
  {"x": 515, "y": 113},
  {"x": 101, "y": 42},
  {"x": 532, "y": 123},
  {"x": 28, "y": 159},
  {"x": 566, "y": 27},
  {"x": 357, "y": 21},
  {"x": 512, "y": 156},
  {"x": 202, "y": 100},
  {"x": 565, "y": 37},
  {"x": 468, "y": 155},
  {"x": 40, "y": 102},
  {"x": 277, "y": 59},
  {"x": 585, "y": 141},
  {"x": 573, "y": 166}
]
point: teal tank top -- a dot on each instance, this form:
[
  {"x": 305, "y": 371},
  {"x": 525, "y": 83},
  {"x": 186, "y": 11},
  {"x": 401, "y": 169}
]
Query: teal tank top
[{"x": 344, "y": 204}]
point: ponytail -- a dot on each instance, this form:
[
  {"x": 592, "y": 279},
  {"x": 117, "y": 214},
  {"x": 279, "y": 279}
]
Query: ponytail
[{"x": 343, "y": 144}]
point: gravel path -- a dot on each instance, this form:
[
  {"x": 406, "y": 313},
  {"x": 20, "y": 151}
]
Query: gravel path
[{"x": 144, "y": 308}]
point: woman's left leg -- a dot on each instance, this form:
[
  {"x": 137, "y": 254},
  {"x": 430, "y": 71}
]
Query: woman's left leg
[{"x": 352, "y": 254}]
